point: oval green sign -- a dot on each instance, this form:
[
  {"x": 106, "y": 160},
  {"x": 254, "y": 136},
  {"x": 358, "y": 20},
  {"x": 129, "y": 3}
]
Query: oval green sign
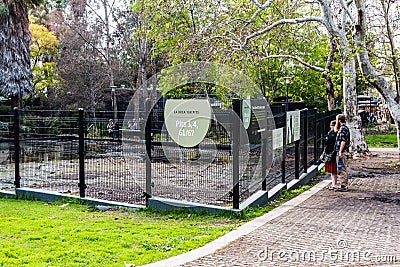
[
  {"x": 187, "y": 121},
  {"x": 246, "y": 112}
]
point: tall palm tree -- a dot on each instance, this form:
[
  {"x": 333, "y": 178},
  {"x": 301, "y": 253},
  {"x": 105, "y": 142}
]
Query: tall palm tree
[{"x": 15, "y": 38}]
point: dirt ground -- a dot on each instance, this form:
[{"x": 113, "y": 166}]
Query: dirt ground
[
  {"x": 374, "y": 178},
  {"x": 377, "y": 162}
]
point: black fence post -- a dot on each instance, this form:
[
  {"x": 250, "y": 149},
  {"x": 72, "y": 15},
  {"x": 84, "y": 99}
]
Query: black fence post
[
  {"x": 305, "y": 134},
  {"x": 265, "y": 148},
  {"x": 82, "y": 183},
  {"x": 283, "y": 164},
  {"x": 264, "y": 161},
  {"x": 235, "y": 150},
  {"x": 148, "y": 136},
  {"x": 324, "y": 131},
  {"x": 315, "y": 136},
  {"x": 17, "y": 148},
  {"x": 296, "y": 160}
]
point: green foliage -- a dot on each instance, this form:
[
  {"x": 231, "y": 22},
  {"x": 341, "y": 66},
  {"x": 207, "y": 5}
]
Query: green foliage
[
  {"x": 44, "y": 42},
  {"x": 201, "y": 78},
  {"x": 5, "y": 109},
  {"x": 4, "y": 126},
  {"x": 385, "y": 140},
  {"x": 172, "y": 25},
  {"x": 45, "y": 77},
  {"x": 55, "y": 3},
  {"x": 33, "y": 2},
  {"x": 26, "y": 129},
  {"x": 44, "y": 47},
  {"x": 390, "y": 128},
  {"x": 50, "y": 125},
  {"x": 202, "y": 31},
  {"x": 92, "y": 132},
  {"x": 380, "y": 129},
  {"x": 3, "y": 10}
]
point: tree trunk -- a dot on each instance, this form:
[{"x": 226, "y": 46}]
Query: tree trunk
[
  {"x": 377, "y": 80},
  {"x": 350, "y": 105},
  {"x": 397, "y": 123},
  {"x": 109, "y": 63},
  {"x": 15, "y": 101},
  {"x": 358, "y": 144},
  {"x": 393, "y": 57},
  {"x": 330, "y": 92},
  {"x": 142, "y": 92},
  {"x": 393, "y": 106},
  {"x": 15, "y": 70},
  {"x": 381, "y": 84}
]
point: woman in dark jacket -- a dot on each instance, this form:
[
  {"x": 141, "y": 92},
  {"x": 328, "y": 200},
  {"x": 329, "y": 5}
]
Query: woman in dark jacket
[{"x": 331, "y": 165}]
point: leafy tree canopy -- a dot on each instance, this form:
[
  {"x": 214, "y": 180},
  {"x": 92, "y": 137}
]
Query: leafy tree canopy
[
  {"x": 43, "y": 51},
  {"x": 213, "y": 31}
]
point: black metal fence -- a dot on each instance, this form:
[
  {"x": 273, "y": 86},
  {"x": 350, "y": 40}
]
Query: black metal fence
[
  {"x": 73, "y": 152},
  {"x": 7, "y": 158}
]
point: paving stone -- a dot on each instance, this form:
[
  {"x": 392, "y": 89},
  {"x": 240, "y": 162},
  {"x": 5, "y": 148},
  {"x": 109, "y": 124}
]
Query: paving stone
[{"x": 360, "y": 227}]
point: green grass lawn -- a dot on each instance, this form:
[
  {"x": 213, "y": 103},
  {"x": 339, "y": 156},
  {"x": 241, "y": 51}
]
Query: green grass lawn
[
  {"x": 35, "y": 233},
  {"x": 385, "y": 140}
]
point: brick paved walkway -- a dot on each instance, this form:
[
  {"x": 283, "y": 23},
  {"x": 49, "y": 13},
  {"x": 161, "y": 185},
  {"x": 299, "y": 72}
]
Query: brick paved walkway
[{"x": 356, "y": 228}]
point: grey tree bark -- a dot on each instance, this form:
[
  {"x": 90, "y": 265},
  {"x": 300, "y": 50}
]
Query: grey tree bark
[
  {"x": 330, "y": 92},
  {"x": 369, "y": 71},
  {"x": 338, "y": 30},
  {"x": 393, "y": 56},
  {"x": 15, "y": 72},
  {"x": 336, "y": 18}
]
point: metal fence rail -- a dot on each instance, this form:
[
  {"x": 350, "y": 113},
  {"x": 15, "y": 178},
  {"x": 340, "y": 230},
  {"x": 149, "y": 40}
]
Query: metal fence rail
[
  {"x": 72, "y": 152},
  {"x": 6, "y": 152},
  {"x": 48, "y": 149},
  {"x": 201, "y": 174},
  {"x": 113, "y": 170}
]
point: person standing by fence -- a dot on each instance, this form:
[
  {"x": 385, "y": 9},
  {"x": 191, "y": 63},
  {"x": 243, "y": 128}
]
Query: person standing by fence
[
  {"x": 329, "y": 155},
  {"x": 110, "y": 128},
  {"x": 342, "y": 145}
]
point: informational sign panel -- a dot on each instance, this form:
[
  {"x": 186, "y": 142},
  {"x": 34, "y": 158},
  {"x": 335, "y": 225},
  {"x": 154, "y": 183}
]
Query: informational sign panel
[
  {"x": 258, "y": 121},
  {"x": 292, "y": 126},
  {"x": 187, "y": 120},
  {"x": 258, "y": 107},
  {"x": 277, "y": 138},
  {"x": 246, "y": 112}
]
